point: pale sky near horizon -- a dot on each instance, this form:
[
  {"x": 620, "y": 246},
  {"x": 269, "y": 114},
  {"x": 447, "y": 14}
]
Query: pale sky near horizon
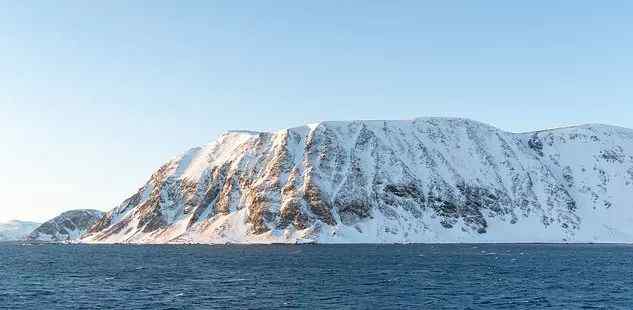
[{"x": 94, "y": 96}]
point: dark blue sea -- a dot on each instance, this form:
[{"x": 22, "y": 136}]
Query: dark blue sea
[{"x": 511, "y": 276}]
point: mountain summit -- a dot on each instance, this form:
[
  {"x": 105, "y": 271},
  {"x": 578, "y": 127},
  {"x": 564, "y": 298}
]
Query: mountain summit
[{"x": 421, "y": 180}]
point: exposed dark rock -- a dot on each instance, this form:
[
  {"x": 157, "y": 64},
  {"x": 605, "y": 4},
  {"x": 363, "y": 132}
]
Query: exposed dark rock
[{"x": 536, "y": 144}]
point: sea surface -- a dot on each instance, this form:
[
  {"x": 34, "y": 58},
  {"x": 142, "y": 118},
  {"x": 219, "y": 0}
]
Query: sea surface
[{"x": 465, "y": 276}]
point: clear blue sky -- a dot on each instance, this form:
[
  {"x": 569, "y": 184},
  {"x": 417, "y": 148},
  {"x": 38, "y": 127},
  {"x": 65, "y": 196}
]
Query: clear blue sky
[{"x": 95, "y": 95}]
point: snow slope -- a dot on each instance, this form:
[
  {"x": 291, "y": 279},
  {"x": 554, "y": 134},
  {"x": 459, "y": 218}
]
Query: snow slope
[
  {"x": 421, "y": 180},
  {"x": 16, "y": 230},
  {"x": 70, "y": 225}
]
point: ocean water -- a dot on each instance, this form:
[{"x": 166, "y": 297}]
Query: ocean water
[{"x": 502, "y": 276}]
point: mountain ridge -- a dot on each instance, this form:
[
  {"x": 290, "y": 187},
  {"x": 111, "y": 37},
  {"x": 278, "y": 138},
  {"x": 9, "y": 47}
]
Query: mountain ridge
[
  {"x": 67, "y": 226},
  {"x": 421, "y": 180},
  {"x": 431, "y": 118}
]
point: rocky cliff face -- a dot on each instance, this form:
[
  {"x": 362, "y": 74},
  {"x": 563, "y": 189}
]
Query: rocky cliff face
[
  {"x": 70, "y": 225},
  {"x": 16, "y": 230},
  {"x": 424, "y": 180}
]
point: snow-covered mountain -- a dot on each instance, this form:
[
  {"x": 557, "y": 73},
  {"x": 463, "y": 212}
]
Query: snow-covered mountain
[
  {"x": 69, "y": 225},
  {"x": 422, "y": 180},
  {"x": 16, "y": 230}
]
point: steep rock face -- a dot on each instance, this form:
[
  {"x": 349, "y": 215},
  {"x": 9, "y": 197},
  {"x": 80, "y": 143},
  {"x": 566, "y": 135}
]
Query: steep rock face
[
  {"x": 70, "y": 225},
  {"x": 16, "y": 230},
  {"x": 424, "y": 180}
]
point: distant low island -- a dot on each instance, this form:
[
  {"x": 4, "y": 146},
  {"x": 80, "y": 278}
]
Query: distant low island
[{"x": 68, "y": 226}]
